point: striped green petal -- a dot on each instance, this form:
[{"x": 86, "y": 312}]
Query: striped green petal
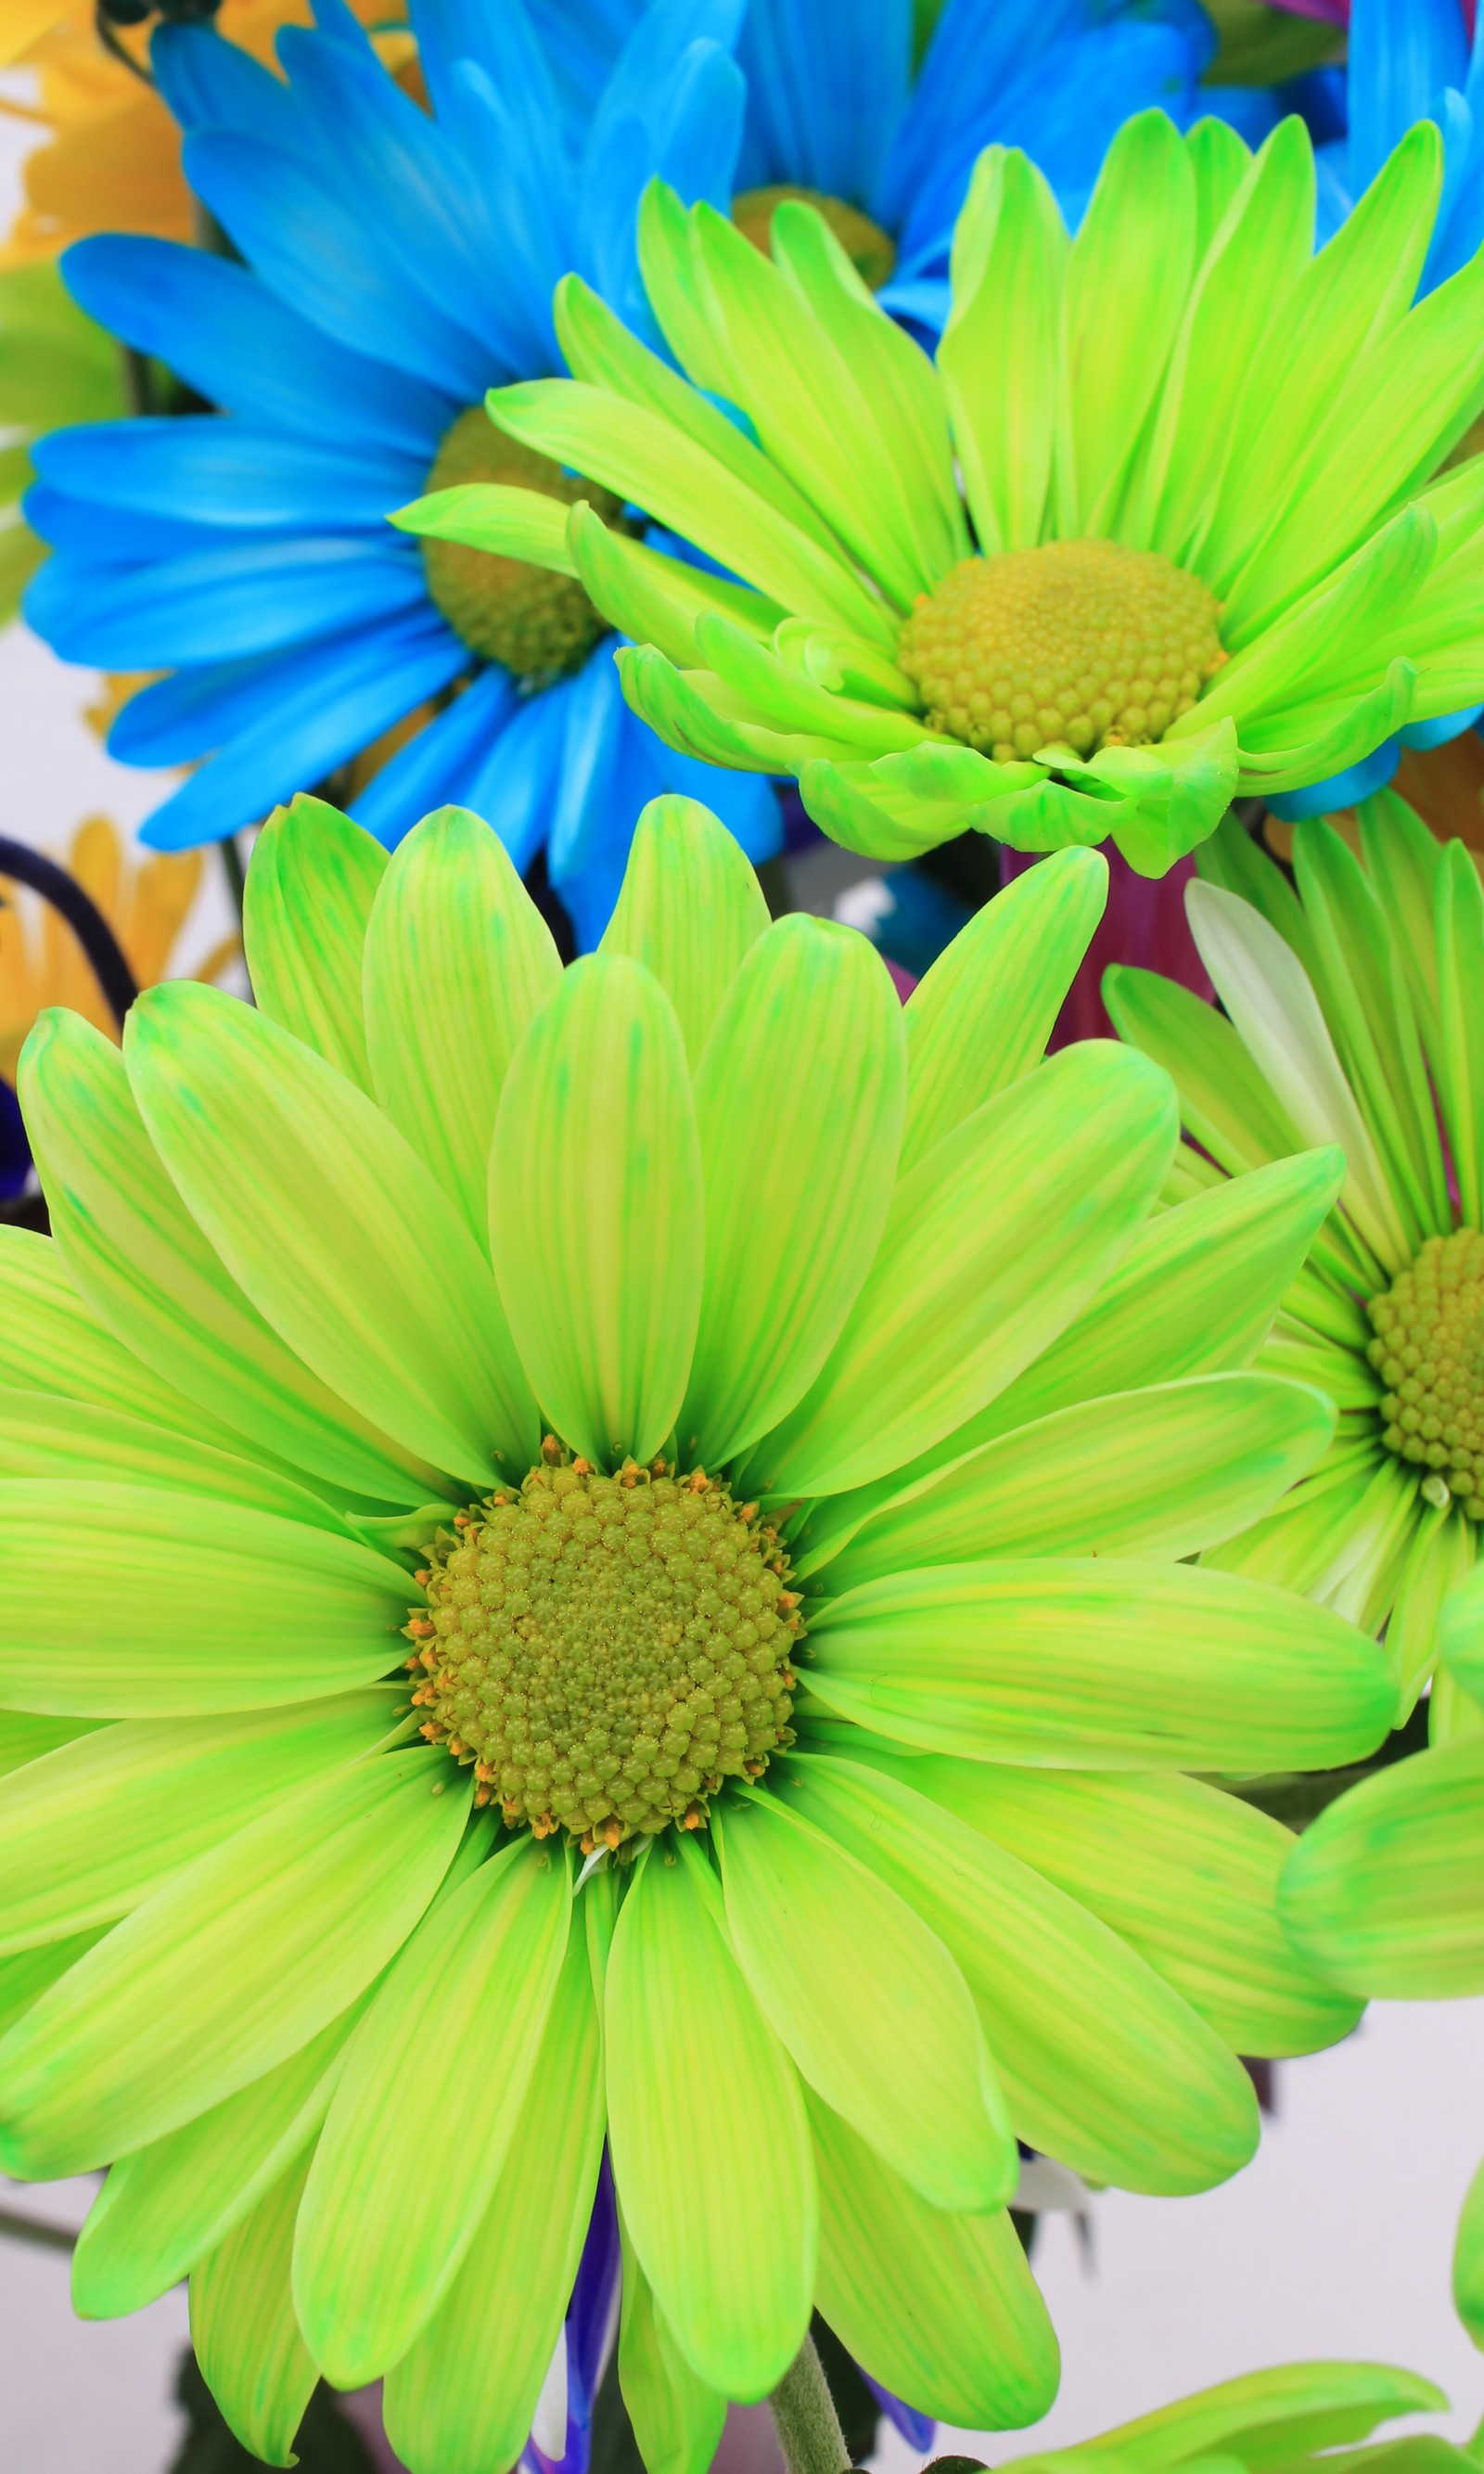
[
  {"x": 1127, "y": 282},
  {"x": 29, "y": 1735},
  {"x": 1461, "y": 1634},
  {"x": 1224, "y": 1102},
  {"x": 1439, "y": 1557},
  {"x": 799, "y": 1167},
  {"x": 595, "y": 1209},
  {"x": 231, "y": 1967},
  {"x": 30, "y": 1973},
  {"x": 1272, "y": 2417},
  {"x": 45, "y": 1437},
  {"x": 941, "y": 2309},
  {"x": 389, "y": 2210},
  {"x": 1351, "y": 1542},
  {"x": 463, "y": 2398},
  {"x": 992, "y": 1245},
  {"x": 1010, "y": 260},
  {"x": 1459, "y": 911},
  {"x": 1468, "y": 2261},
  {"x": 678, "y": 2420},
  {"x": 169, "y": 1794},
  {"x": 706, "y": 2123},
  {"x": 242, "y": 2326},
  {"x": 309, "y": 891},
  {"x": 689, "y": 909},
  {"x": 846, "y": 1974},
  {"x": 1383, "y": 1892},
  {"x": 182, "y": 1605},
  {"x": 148, "y": 1272},
  {"x": 327, "y": 1217},
  {"x": 1102, "y": 1665},
  {"x": 457, "y": 960},
  {"x": 51, "y": 1341}
]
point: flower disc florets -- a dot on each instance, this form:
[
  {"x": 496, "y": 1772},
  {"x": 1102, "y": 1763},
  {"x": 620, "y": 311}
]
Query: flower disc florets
[
  {"x": 607, "y": 1650},
  {"x": 870, "y": 249},
  {"x": 1082, "y": 643},
  {"x": 1429, "y": 1353},
  {"x": 539, "y": 625}
]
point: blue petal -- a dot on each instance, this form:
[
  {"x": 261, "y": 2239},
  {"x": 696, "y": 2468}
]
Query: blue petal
[
  {"x": 1437, "y": 732},
  {"x": 746, "y": 802},
  {"x": 1454, "y": 233},
  {"x": 514, "y": 789},
  {"x": 916, "y": 2429},
  {"x": 592, "y": 2320},
  {"x": 109, "y": 536},
  {"x": 980, "y": 48},
  {"x": 14, "y": 1148},
  {"x": 1253, "y": 112},
  {"x": 176, "y": 719},
  {"x": 610, "y": 768},
  {"x": 827, "y": 85},
  {"x": 436, "y": 769},
  {"x": 328, "y": 702},
  {"x": 211, "y": 84},
  {"x": 207, "y": 471},
  {"x": 530, "y": 198},
  {"x": 582, "y": 39},
  {"x": 221, "y": 330},
  {"x": 919, "y": 301},
  {"x": 218, "y": 605},
  {"x": 1341, "y": 790},
  {"x": 1334, "y": 201},
  {"x": 1401, "y": 55},
  {"x": 689, "y": 138}
]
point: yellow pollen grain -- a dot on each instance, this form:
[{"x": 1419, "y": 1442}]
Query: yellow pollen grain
[{"x": 1429, "y": 1352}]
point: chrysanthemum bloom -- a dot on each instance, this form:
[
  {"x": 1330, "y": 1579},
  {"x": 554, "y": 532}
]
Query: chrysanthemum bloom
[
  {"x": 1196, "y": 548},
  {"x": 1354, "y": 1016},
  {"x": 760, "y": 1429}
]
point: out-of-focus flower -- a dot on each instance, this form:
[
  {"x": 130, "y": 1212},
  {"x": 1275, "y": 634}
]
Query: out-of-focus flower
[{"x": 55, "y": 366}]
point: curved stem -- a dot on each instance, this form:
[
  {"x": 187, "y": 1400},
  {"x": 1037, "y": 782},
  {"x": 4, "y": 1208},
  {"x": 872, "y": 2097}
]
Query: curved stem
[
  {"x": 81, "y": 914},
  {"x": 16, "y": 2227},
  {"x": 808, "y": 2426},
  {"x": 108, "y": 38}
]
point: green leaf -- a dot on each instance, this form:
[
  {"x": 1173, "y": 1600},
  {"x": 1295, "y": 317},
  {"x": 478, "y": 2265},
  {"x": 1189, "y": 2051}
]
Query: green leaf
[
  {"x": 595, "y": 1209},
  {"x": 1382, "y": 1892},
  {"x": 800, "y": 1101},
  {"x": 846, "y": 1974},
  {"x": 678, "y": 2420},
  {"x": 457, "y": 960},
  {"x": 689, "y": 909},
  {"x": 1006, "y": 408},
  {"x": 309, "y": 891},
  {"x": 699, "y": 2091},
  {"x": 328, "y": 1219},
  {"x": 243, "y": 2327},
  {"x": 237, "y": 1962}
]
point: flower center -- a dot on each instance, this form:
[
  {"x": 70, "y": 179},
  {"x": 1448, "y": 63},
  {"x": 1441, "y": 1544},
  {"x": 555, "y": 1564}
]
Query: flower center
[
  {"x": 1082, "y": 643},
  {"x": 871, "y": 250},
  {"x": 606, "y": 1650},
  {"x": 539, "y": 625},
  {"x": 1429, "y": 1352}
]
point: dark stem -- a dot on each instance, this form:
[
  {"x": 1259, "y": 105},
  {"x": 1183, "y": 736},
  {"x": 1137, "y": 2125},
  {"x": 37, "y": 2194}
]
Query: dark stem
[
  {"x": 112, "y": 43},
  {"x": 236, "y": 877},
  {"x": 83, "y": 917},
  {"x": 808, "y": 2426},
  {"x": 14, "y": 2228}
]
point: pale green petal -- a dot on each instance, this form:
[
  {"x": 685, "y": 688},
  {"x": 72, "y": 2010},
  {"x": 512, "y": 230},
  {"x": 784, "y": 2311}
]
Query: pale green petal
[
  {"x": 595, "y": 1209},
  {"x": 1385, "y": 1891},
  {"x": 385, "y": 2224},
  {"x": 330, "y": 1222},
  {"x": 182, "y": 1605},
  {"x": 1468, "y": 2261},
  {"x": 1224, "y": 1102},
  {"x": 25, "y": 1977},
  {"x": 799, "y": 1166},
  {"x": 1102, "y": 2064},
  {"x": 1102, "y": 1665},
  {"x": 47, "y": 1436},
  {"x": 27, "y": 1736},
  {"x": 980, "y": 1018},
  {"x": 993, "y": 1243},
  {"x": 169, "y": 1794},
  {"x": 462, "y": 2398},
  {"x": 1403, "y": 860},
  {"x": 1461, "y": 1634},
  {"x": 1354, "y": 1546},
  {"x": 147, "y": 1270},
  {"x": 847, "y": 1972},
  {"x": 242, "y": 2326},
  {"x": 51, "y": 1341},
  {"x": 699, "y": 2093},
  {"x": 1460, "y": 1054},
  {"x": 310, "y": 890},
  {"x": 691, "y": 909},
  {"x": 1127, "y": 282},
  {"x": 231, "y": 1967},
  {"x": 1439, "y": 1557},
  {"x": 940, "y": 2309},
  {"x": 1269, "y": 2417},
  {"x": 457, "y": 960},
  {"x": 1006, "y": 407},
  {"x": 1219, "y": 160},
  {"x": 678, "y": 2420}
]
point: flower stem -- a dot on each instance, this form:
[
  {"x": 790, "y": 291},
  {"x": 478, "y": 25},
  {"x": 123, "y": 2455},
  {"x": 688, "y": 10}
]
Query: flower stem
[
  {"x": 83, "y": 917},
  {"x": 16, "y": 2227},
  {"x": 808, "y": 2426}
]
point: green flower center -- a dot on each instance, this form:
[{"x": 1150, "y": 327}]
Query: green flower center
[
  {"x": 1082, "y": 643},
  {"x": 871, "y": 250},
  {"x": 606, "y": 1650},
  {"x": 540, "y": 626},
  {"x": 1429, "y": 1352}
]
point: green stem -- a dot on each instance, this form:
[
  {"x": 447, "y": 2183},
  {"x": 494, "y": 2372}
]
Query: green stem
[
  {"x": 14, "y": 2228},
  {"x": 231, "y": 862},
  {"x": 808, "y": 2426}
]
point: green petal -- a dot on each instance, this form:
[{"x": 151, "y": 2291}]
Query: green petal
[
  {"x": 1224, "y": 1102},
  {"x": 799, "y": 1170},
  {"x": 993, "y": 1243},
  {"x": 1461, "y": 1634},
  {"x": 1383, "y": 1892},
  {"x": 596, "y": 1212},
  {"x": 1403, "y": 860},
  {"x": 30, "y": 1973},
  {"x": 148, "y": 1272},
  {"x": 327, "y": 1217},
  {"x": 1468, "y": 2261},
  {"x": 1353, "y": 1545},
  {"x": 691, "y": 909},
  {"x": 1439, "y": 1557},
  {"x": 385, "y": 2225},
  {"x": 231, "y": 1967},
  {"x": 51, "y": 1341},
  {"x": 27, "y": 1736},
  {"x": 309, "y": 891},
  {"x": 463, "y": 2398},
  {"x": 242, "y": 2326},
  {"x": 706, "y": 2125},
  {"x": 1460, "y": 1056},
  {"x": 1010, "y": 261},
  {"x": 678, "y": 2420},
  {"x": 182, "y": 1605},
  {"x": 1219, "y": 160},
  {"x": 169, "y": 1794},
  {"x": 941, "y": 2309},
  {"x": 1103, "y": 2065},
  {"x": 1103, "y": 1665},
  {"x": 457, "y": 960},
  {"x": 45, "y": 1437},
  {"x": 1269, "y": 2417},
  {"x": 1187, "y": 1876},
  {"x": 1162, "y": 1472},
  {"x": 981, "y": 1017},
  {"x": 845, "y": 1973}
]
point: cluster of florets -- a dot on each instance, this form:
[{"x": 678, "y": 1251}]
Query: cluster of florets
[
  {"x": 1078, "y": 644},
  {"x": 606, "y": 1650},
  {"x": 541, "y": 626},
  {"x": 1429, "y": 1352}
]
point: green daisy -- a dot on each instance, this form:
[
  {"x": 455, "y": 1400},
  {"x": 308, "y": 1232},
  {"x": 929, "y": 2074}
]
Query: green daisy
[
  {"x": 1353, "y": 1017},
  {"x": 768, "y": 1427},
  {"x": 1166, "y": 521}
]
